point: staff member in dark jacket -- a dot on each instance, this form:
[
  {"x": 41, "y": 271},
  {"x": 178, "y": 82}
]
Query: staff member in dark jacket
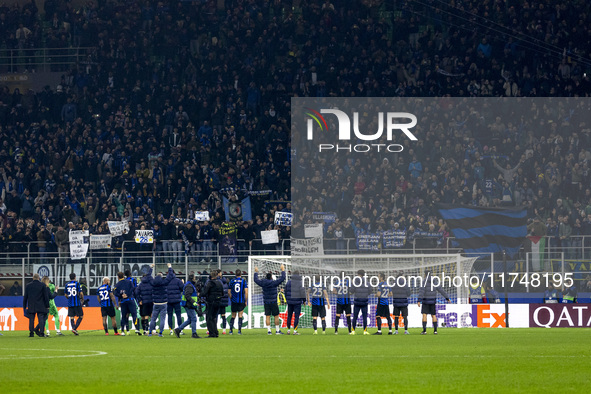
[
  {"x": 270, "y": 297},
  {"x": 190, "y": 301},
  {"x": 213, "y": 293},
  {"x": 428, "y": 296},
  {"x": 143, "y": 293},
  {"x": 174, "y": 292},
  {"x": 36, "y": 302},
  {"x": 160, "y": 297}
]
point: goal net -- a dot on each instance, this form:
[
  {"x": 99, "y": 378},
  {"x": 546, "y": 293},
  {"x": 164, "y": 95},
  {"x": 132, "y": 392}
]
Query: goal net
[{"x": 330, "y": 269}]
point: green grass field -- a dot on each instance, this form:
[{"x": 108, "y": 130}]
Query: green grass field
[{"x": 457, "y": 360}]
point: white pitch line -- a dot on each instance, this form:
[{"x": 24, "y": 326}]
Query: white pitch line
[
  {"x": 382, "y": 356},
  {"x": 18, "y": 357}
]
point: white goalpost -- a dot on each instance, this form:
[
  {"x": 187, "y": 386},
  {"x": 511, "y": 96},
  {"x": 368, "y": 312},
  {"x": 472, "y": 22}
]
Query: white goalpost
[{"x": 408, "y": 265}]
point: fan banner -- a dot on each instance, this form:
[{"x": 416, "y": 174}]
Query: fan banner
[
  {"x": 368, "y": 241},
  {"x": 79, "y": 242},
  {"x": 237, "y": 210},
  {"x": 100, "y": 242},
  {"x": 270, "y": 237},
  {"x": 328, "y": 217},
  {"x": 394, "y": 239},
  {"x": 481, "y": 231},
  {"x": 144, "y": 236},
  {"x": 118, "y": 228},
  {"x": 538, "y": 247},
  {"x": 313, "y": 230},
  {"x": 227, "y": 240},
  {"x": 202, "y": 216},
  {"x": 283, "y": 218},
  {"x": 307, "y": 247}
]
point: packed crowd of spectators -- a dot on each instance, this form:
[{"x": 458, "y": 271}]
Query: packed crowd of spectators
[
  {"x": 20, "y": 27},
  {"x": 375, "y": 192},
  {"x": 183, "y": 103}
]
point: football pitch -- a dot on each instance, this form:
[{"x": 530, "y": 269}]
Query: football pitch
[{"x": 456, "y": 360}]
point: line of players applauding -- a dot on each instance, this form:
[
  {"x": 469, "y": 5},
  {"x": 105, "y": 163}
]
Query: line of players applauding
[
  {"x": 163, "y": 296},
  {"x": 316, "y": 296}
]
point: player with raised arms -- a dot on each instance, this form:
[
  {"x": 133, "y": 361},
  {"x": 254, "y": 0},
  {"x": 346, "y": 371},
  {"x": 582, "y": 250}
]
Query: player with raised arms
[
  {"x": 383, "y": 307},
  {"x": 270, "y": 297},
  {"x": 159, "y": 284},
  {"x": 238, "y": 292},
  {"x": 105, "y": 297}
]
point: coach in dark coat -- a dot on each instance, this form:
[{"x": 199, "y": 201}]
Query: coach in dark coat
[
  {"x": 213, "y": 293},
  {"x": 36, "y": 302}
]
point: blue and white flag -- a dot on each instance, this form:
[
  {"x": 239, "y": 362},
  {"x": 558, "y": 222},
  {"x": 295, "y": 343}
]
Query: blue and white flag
[{"x": 482, "y": 231}]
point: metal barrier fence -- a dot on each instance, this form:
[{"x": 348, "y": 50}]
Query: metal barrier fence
[
  {"x": 43, "y": 59},
  {"x": 576, "y": 247},
  {"x": 23, "y": 259}
]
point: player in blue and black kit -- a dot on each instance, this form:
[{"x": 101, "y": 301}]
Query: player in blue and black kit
[
  {"x": 294, "y": 292},
  {"x": 400, "y": 294},
  {"x": 343, "y": 302},
  {"x": 361, "y": 301},
  {"x": 73, "y": 293},
  {"x": 383, "y": 307},
  {"x": 269, "y": 287},
  {"x": 124, "y": 292},
  {"x": 238, "y": 292},
  {"x": 428, "y": 296},
  {"x": 318, "y": 299},
  {"x": 105, "y": 296},
  {"x": 136, "y": 321}
]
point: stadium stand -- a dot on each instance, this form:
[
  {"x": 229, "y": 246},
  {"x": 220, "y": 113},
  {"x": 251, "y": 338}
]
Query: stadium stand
[{"x": 183, "y": 104}]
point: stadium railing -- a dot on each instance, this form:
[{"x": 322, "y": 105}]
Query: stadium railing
[
  {"x": 43, "y": 59},
  {"x": 21, "y": 260},
  {"x": 575, "y": 248}
]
